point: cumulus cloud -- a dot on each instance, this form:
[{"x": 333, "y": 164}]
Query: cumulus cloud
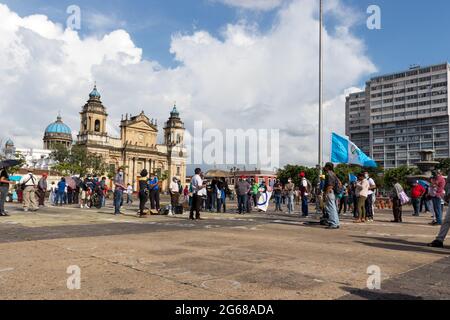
[
  {"x": 243, "y": 79},
  {"x": 254, "y": 4}
]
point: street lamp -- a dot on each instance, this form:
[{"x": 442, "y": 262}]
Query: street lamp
[{"x": 320, "y": 88}]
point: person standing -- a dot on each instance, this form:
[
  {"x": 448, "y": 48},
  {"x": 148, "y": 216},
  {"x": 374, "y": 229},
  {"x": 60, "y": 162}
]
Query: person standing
[
  {"x": 242, "y": 189},
  {"x": 53, "y": 193},
  {"x": 396, "y": 202},
  {"x": 119, "y": 185},
  {"x": 102, "y": 191},
  {"x": 362, "y": 192},
  {"x": 437, "y": 184},
  {"x": 443, "y": 232},
  {"x": 370, "y": 196},
  {"x": 4, "y": 190},
  {"x": 129, "y": 194},
  {"x": 197, "y": 186},
  {"x": 60, "y": 191},
  {"x": 255, "y": 192},
  {"x": 277, "y": 191},
  {"x": 222, "y": 188},
  {"x": 174, "y": 190},
  {"x": 42, "y": 189},
  {"x": 305, "y": 190},
  {"x": 343, "y": 204},
  {"x": 143, "y": 192},
  {"x": 331, "y": 187},
  {"x": 153, "y": 186},
  {"x": 29, "y": 182},
  {"x": 290, "y": 188},
  {"x": 186, "y": 194},
  {"x": 417, "y": 192}
]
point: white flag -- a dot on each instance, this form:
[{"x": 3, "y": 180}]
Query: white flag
[{"x": 264, "y": 201}]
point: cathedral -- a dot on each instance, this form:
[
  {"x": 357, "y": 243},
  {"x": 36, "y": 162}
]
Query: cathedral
[{"x": 136, "y": 148}]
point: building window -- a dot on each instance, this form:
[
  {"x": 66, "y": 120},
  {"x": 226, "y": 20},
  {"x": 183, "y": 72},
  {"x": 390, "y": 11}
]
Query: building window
[{"x": 97, "y": 126}]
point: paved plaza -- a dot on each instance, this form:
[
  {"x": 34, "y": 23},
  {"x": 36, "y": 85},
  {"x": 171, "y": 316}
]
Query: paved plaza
[{"x": 224, "y": 256}]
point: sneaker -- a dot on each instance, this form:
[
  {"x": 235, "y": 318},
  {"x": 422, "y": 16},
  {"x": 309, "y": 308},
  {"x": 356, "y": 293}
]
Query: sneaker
[
  {"x": 25, "y": 210},
  {"x": 333, "y": 227},
  {"x": 436, "y": 244}
]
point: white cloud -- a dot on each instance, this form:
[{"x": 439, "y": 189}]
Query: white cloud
[
  {"x": 243, "y": 79},
  {"x": 254, "y": 4}
]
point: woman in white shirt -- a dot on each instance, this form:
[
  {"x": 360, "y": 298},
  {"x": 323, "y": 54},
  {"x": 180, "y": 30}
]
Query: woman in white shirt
[{"x": 362, "y": 192}]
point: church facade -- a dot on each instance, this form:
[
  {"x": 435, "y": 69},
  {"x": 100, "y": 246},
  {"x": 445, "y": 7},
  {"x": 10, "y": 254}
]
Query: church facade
[{"x": 137, "y": 147}]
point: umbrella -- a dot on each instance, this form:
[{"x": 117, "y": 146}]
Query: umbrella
[
  {"x": 424, "y": 183},
  {"x": 9, "y": 163},
  {"x": 71, "y": 182}
]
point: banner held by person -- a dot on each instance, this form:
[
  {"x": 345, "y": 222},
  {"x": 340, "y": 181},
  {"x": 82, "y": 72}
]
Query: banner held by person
[{"x": 264, "y": 201}]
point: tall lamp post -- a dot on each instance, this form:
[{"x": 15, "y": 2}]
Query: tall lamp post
[{"x": 320, "y": 88}]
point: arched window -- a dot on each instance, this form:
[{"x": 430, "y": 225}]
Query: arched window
[{"x": 97, "y": 126}]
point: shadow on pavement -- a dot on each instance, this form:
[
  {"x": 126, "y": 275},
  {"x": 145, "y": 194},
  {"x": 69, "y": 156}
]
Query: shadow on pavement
[
  {"x": 360, "y": 294},
  {"x": 400, "y": 245}
]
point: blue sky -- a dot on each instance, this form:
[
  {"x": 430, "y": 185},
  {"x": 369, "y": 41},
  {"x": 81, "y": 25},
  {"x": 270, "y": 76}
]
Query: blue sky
[
  {"x": 228, "y": 61},
  {"x": 413, "y": 31}
]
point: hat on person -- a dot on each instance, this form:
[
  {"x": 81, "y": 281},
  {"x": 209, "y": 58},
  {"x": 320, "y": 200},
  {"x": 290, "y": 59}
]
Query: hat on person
[{"x": 302, "y": 174}]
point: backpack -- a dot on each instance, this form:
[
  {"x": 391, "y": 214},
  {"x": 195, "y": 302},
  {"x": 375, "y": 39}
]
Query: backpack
[
  {"x": 24, "y": 185},
  {"x": 338, "y": 186}
]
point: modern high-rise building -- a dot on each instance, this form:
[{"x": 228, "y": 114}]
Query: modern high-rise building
[{"x": 401, "y": 114}]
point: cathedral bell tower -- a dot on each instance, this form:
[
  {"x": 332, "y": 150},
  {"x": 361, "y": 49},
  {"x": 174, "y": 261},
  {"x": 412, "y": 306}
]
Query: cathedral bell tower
[
  {"x": 174, "y": 130},
  {"x": 174, "y": 140},
  {"x": 93, "y": 117}
]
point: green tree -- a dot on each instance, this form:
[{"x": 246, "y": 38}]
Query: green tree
[
  {"x": 400, "y": 174},
  {"x": 77, "y": 161},
  {"x": 444, "y": 165},
  {"x": 293, "y": 171}
]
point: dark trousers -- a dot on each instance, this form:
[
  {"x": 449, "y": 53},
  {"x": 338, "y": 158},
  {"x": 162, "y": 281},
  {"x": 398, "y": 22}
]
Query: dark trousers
[
  {"x": 343, "y": 204},
  {"x": 416, "y": 206},
  {"x": 41, "y": 196},
  {"x": 154, "y": 199},
  {"x": 355, "y": 206},
  {"x": 70, "y": 197},
  {"x": 423, "y": 202},
  {"x": 369, "y": 207},
  {"x": 196, "y": 203},
  {"x": 397, "y": 209},
  {"x": 242, "y": 203},
  {"x": 221, "y": 203},
  {"x": 59, "y": 198},
  {"x": 437, "y": 204},
  {"x": 118, "y": 199},
  {"x": 3, "y": 195},
  {"x": 305, "y": 206},
  {"x": 143, "y": 198},
  {"x": 255, "y": 199}
]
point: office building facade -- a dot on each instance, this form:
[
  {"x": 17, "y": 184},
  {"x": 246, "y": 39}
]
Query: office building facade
[{"x": 406, "y": 112}]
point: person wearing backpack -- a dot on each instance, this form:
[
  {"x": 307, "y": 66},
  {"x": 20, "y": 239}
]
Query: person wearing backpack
[
  {"x": 331, "y": 188},
  {"x": 28, "y": 183}
]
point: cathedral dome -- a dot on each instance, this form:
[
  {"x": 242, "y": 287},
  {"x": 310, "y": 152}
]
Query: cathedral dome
[
  {"x": 95, "y": 94},
  {"x": 57, "y": 133},
  {"x": 9, "y": 143},
  {"x": 58, "y": 127}
]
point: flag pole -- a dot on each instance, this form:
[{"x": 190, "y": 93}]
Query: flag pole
[{"x": 320, "y": 89}]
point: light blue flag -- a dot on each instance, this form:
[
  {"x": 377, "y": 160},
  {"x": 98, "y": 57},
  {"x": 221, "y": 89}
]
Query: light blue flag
[
  {"x": 345, "y": 151},
  {"x": 352, "y": 178}
]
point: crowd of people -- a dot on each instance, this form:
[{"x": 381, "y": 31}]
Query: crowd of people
[{"x": 331, "y": 197}]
